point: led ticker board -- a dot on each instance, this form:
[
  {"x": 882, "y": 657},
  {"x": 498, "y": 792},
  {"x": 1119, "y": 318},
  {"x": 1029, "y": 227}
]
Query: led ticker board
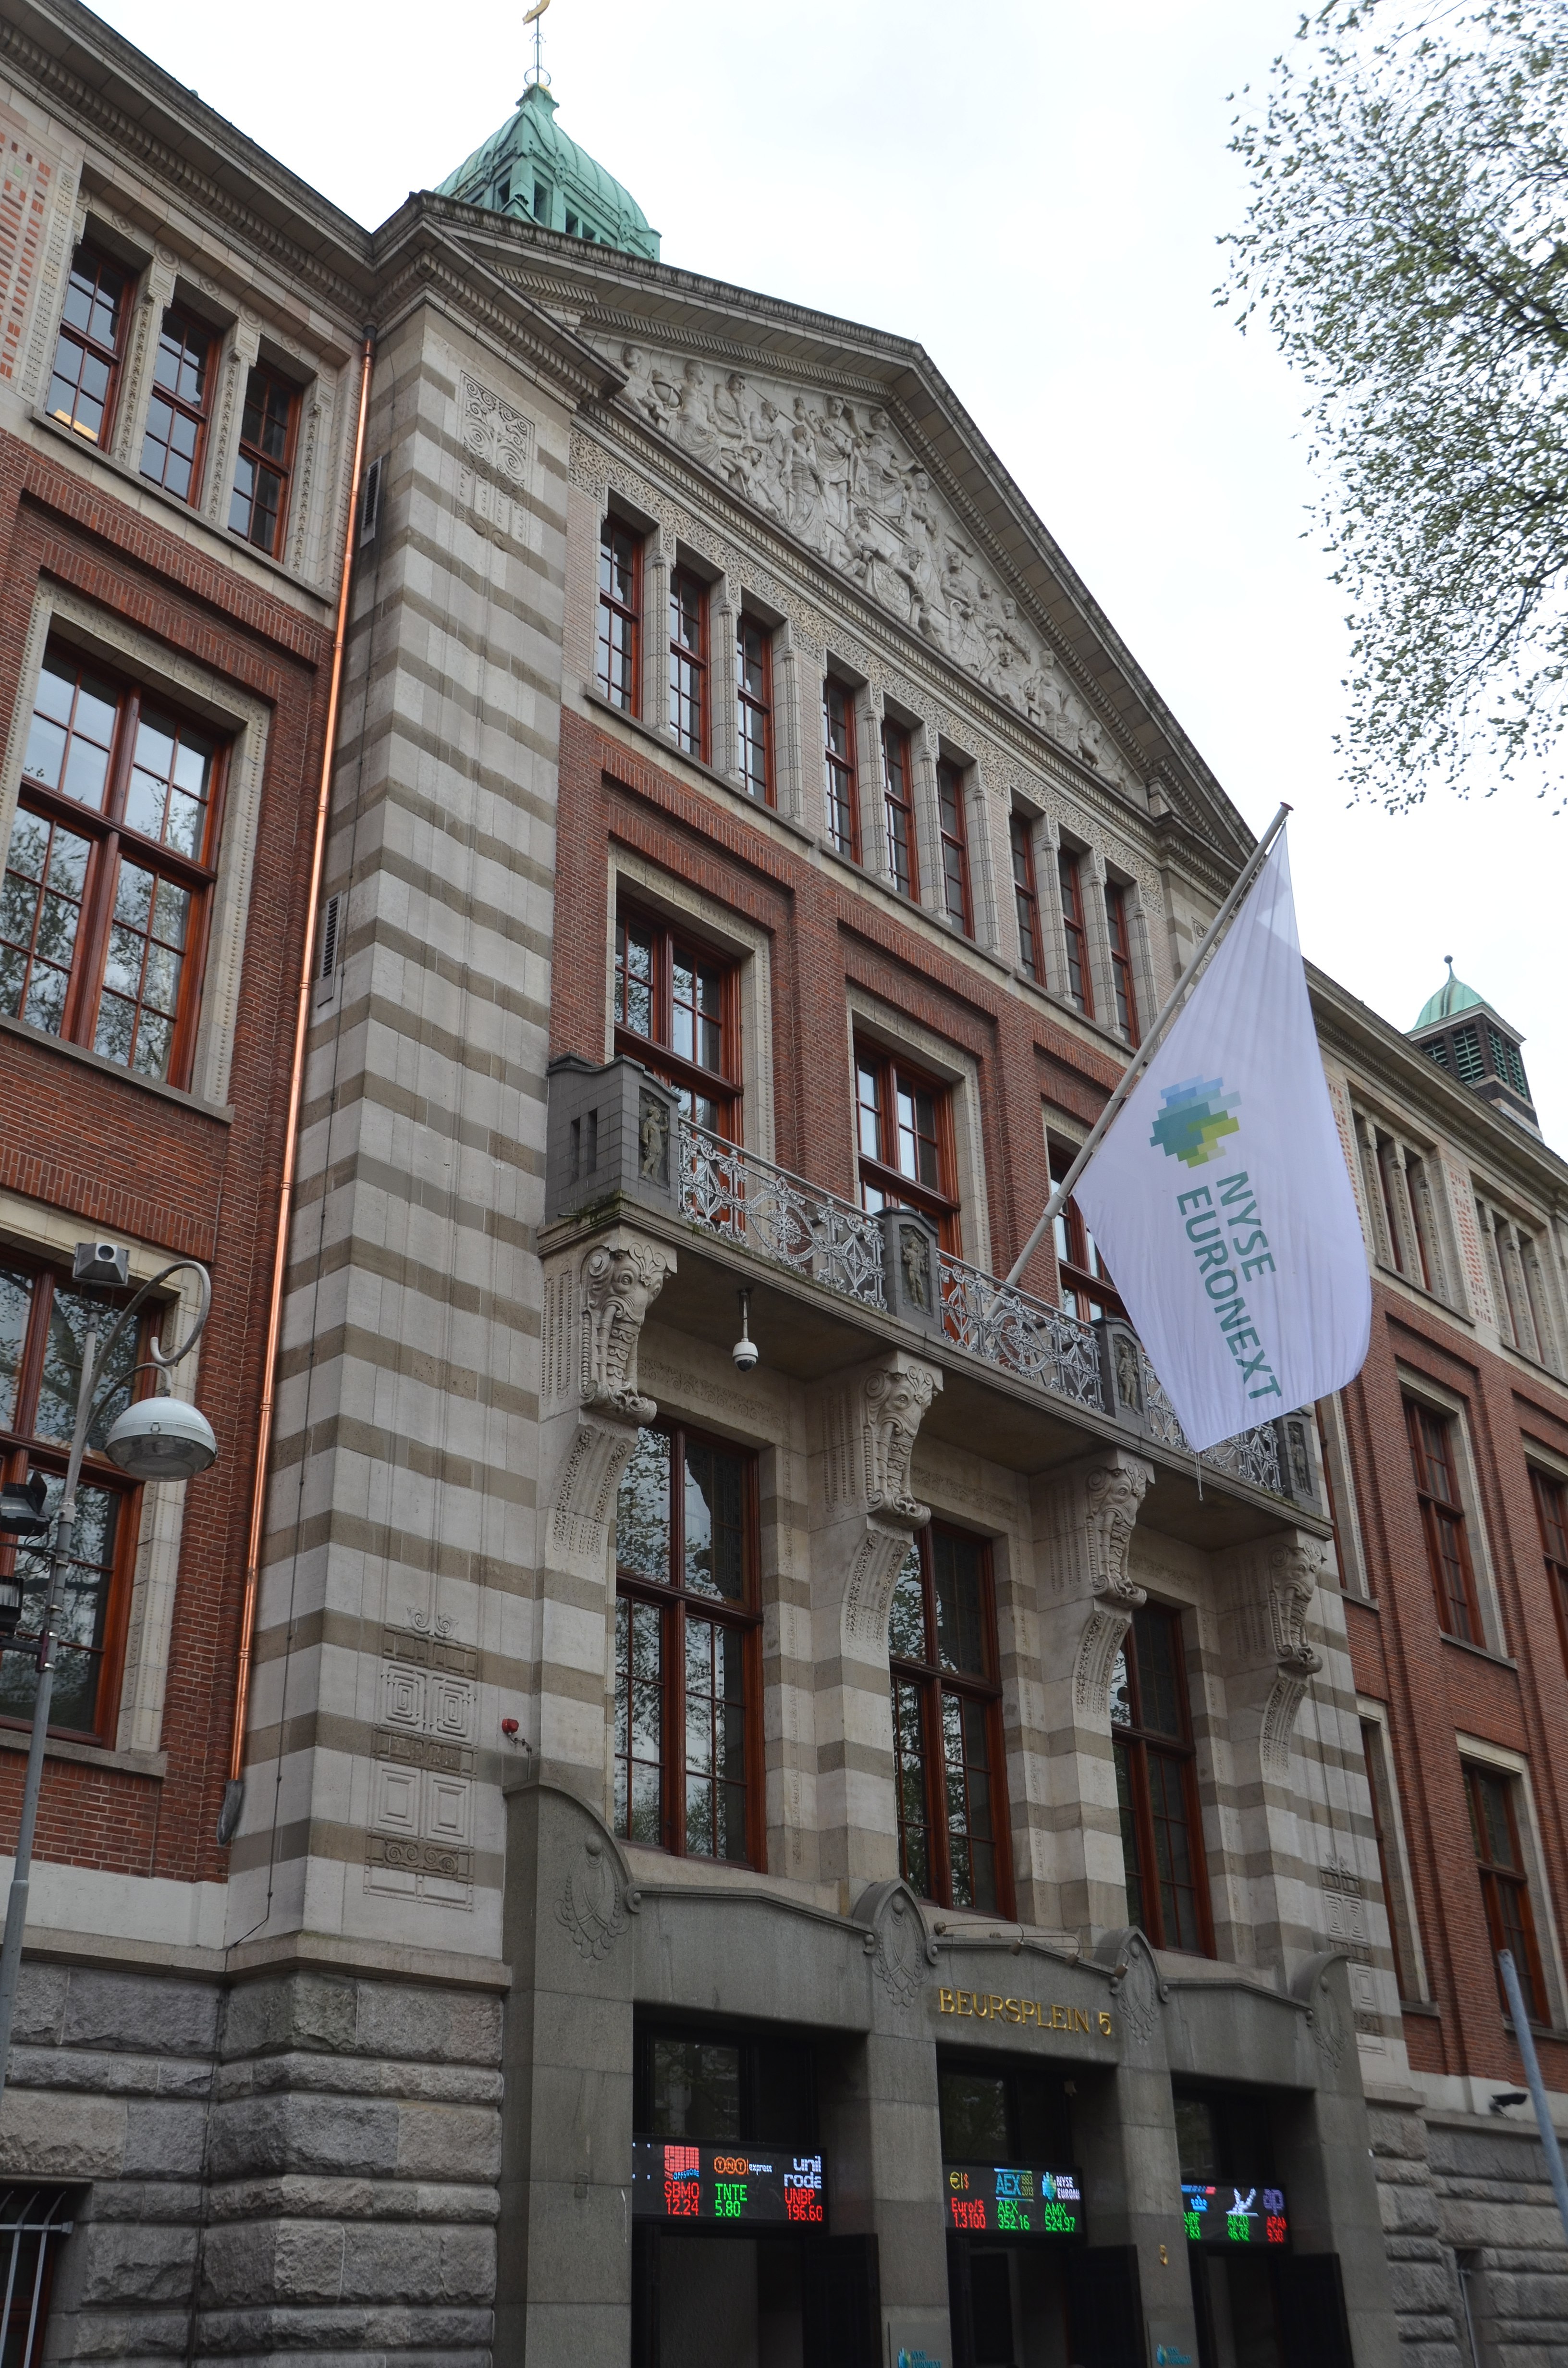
[
  {"x": 1012, "y": 2200},
  {"x": 726, "y": 2186},
  {"x": 1224, "y": 2215}
]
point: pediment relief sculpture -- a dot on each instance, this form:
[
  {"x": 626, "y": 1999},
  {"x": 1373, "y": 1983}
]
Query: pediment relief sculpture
[{"x": 834, "y": 473}]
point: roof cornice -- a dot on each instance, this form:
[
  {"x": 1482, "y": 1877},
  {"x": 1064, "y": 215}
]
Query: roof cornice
[{"x": 416, "y": 257}]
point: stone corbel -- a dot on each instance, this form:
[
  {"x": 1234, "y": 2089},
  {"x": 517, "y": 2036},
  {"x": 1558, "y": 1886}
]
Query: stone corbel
[
  {"x": 595, "y": 1304},
  {"x": 1295, "y": 1570},
  {"x": 873, "y": 1422},
  {"x": 1113, "y": 1492}
]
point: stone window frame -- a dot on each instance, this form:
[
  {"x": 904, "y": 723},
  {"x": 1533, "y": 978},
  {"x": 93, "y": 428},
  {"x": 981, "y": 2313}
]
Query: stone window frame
[
  {"x": 1526, "y": 1234},
  {"x": 866, "y": 1015},
  {"x": 736, "y": 939},
  {"x": 1332, "y": 1447},
  {"x": 1401, "y": 1908},
  {"x": 1403, "y": 1259},
  {"x": 1543, "y": 1910},
  {"x": 245, "y": 720},
  {"x": 1483, "y": 1566},
  {"x": 53, "y": 1234},
  {"x": 160, "y": 280}
]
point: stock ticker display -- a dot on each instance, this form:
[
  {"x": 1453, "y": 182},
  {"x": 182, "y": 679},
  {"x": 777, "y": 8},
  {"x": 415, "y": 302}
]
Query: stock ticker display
[
  {"x": 728, "y": 2186},
  {"x": 1012, "y": 2200},
  {"x": 1225, "y": 2214}
]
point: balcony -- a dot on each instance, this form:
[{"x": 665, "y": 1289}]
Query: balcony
[{"x": 620, "y": 1148}]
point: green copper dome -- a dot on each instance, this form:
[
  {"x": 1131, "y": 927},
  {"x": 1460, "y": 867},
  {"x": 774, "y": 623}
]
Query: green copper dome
[
  {"x": 531, "y": 170},
  {"x": 1452, "y": 996}
]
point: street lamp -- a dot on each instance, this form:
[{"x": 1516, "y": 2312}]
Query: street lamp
[{"x": 158, "y": 1437}]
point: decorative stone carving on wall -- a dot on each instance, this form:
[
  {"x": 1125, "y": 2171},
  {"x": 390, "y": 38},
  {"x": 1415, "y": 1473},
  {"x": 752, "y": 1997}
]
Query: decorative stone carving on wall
[
  {"x": 620, "y": 1282},
  {"x": 835, "y": 474},
  {"x": 897, "y": 1943},
  {"x": 872, "y": 1423},
  {"x": 1113, "y": 1492},
  {"x": 599, "y": 1302},
  {"x": 499, "y": 436},
  {"x": 420, "y": 1845},
  {"x": 895, "y": 1399},
  {"x": 594, "y": 1902},
  {"x": 1135, "y": 1987},
  {"x": 1294, "y": 1571}
]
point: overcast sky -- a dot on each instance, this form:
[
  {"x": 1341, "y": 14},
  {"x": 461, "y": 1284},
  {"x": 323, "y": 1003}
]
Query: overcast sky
[{"x": 1033, "y": 189}]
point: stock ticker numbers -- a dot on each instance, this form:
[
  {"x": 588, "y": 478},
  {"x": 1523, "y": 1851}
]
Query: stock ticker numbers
[
  {"x": 1013, "y": 2199},
  {"x": 1234, "y": 2215},
  {"x": 734, "y": 2186}
]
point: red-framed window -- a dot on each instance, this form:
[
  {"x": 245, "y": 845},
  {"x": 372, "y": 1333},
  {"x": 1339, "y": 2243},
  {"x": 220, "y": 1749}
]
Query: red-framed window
[
  {"x": 108, "y": 878},
  {"x": 1372, "y": 1755},
  {"x": 620, "y": 615},
  {"x": 1119, "y": 928},
  {"x": 754, "y": 697},
  {"x": 43, "y": 1323},
  {"x": 90, "y": 347},
  {"x": 843, "y": 780},
  {"x": 1080, "y": 986},
  {"x": 1492, "y": 1796},
  {"x": 1026, "y": 897},
  {"x": 688, "y": 1648},
  {"x": 259, "y": 508},
  {"x": 904, "y": 1123},
  {"x": 1551, "y": 1512},
  {"x": 952, "y": 819},
  {"x": 1087, "y": 1290},
  {"x": 678, "y": 1011},
  {"x": 690, "y": 712},
  {"x": 1156, "y": 1785},
  {"x": 947, "y": 1723},
  {"x": 1434, "y": 1453},
  {"x": 175, "y": 432},
  {"x": 898, "y": 811}
]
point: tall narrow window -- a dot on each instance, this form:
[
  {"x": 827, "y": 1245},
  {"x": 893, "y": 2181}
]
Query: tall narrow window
[
  {"x": 1432, "y": 1450},
  {"x": 1371, "y": 1752},
  {"x": 1087, "y": 1290},
  {"x": 677, "y": 1010},
  {"x": 1119, "y": 930},
  {"x": 90, "y": 346},
  {"x": 843, "y": 788},
  {"x": 176, "y": 415},
  {"x": 1551, "y": 1512},
  {"x": 903, "y": 1123},
  {"x": 1070, "y": 872},
  {"x": 43, "y": 1323},
  {"x": 109, "y": 873},
  {"x": 621, "y": 608},
  {"x": 1026, "y": 897},
  {"x": 686, "y": 1646},
  {"x": 259, "y": 509},
  {"x": 953, "y": 820},
  {"x": 754, "y": 694},
  {"x": 688, "y": 663},
  {"x": 1505, "y": 1885},
  {"x": 952, "y": 1821},
  {"x": 1161, "y": 1833},
  {"x": 898, "y": 808}
]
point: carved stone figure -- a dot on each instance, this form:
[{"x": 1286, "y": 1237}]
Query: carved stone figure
[
  {"x": 917, "y": 1266},
  {"x": 805, "y": 496},
  {"x": 654, "y": 1140},
  {"x": 620, "y": 1283},
  {"x": 692, "y": 426},
  {"x": 1294, "y": 1572},
  {"x": 895, "y": 1399}
]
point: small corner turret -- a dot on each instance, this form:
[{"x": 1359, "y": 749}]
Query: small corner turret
[{"x": 1459, "y": 1029}]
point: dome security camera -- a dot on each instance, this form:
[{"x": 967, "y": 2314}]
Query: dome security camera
[{"x": 745, "y": 1352}]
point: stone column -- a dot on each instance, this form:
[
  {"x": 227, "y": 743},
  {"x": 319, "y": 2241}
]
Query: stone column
[
  {"x": 868, "y": 782},
  {"x": 927, "y": 817},
  {"x": 136, "y": 378},
  {"x": 723, "y": 744},
  {"x": 1084, "y": 1520},
  {"x": 657, "y": 563},
  {"x": 240, "y": 349},
  {"x": 1264, "y": 1595},
  {"x": 796, "y": 700},
  {"x": 864, "y": 1517},
  {"x": 595, "y": 1300}
]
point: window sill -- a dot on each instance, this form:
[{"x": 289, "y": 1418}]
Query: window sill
[
  {"x": 132, "y": 479},
  {"x": 1427, "y": 2006},
  {"x": 1481, "y": 1652},
  {"x": 221, "y": 1112},
  {"x": 667, "y": 748},
  {"x": 153, "y": 1764}
]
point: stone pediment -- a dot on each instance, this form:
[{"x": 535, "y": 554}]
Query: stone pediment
[{"x": 834, "y": 474}]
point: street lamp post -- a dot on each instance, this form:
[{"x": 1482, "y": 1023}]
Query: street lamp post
[{"x": 156, "y": 1438}]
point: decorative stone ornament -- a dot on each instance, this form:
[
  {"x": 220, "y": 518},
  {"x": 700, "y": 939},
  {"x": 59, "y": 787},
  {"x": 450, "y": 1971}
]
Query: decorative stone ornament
[
  {"x": 873, "y": 1419},
  {"x": 1113, "y": 1492},
  {"x": 596, "y": 1301},
  {"x": 900, "y": 1950},
  {"x": 1294, "y": 1572},
  {"x": 911, "y": 1268},
  {"x": 612, "y": 1130},
  {"x": 593, "y": 1906},
  {"x": 620, "y": 1282}
]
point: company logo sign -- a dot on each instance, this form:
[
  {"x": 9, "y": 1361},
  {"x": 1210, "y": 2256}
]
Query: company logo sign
[{"x": 1196, "y": 1118}]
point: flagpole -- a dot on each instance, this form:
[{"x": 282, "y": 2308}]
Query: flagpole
[{"x": 1150, "y": 1045}]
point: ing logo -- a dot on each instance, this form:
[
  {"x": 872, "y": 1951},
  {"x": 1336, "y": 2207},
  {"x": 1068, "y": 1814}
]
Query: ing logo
[{"x": 1195, "y": 1120}]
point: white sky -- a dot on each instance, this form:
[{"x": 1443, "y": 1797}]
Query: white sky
[{"x": 1033, "y": 189}]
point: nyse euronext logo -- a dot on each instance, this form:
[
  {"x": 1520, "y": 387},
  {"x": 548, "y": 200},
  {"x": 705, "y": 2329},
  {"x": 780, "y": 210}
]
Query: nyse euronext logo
[
  {"x": 1195, "y": 1120},
  {"x": 1221, "y": 1224}
]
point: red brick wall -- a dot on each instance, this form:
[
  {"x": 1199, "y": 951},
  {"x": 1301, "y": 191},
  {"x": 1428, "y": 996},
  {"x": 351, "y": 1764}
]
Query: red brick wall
[
  {"x": 123, "y": 1158},
  {"x": 1435, "y": 1687}
]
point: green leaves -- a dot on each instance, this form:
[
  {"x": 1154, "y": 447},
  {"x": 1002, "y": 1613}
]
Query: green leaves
[{"x": 1406, "y": 245}]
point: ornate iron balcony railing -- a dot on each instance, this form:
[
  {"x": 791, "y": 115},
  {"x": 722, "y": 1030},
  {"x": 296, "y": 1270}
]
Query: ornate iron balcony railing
[{"x": 781, "y": 1217}]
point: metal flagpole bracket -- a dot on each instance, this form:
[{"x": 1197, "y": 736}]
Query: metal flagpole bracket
[{"x": 1151, "y": 1044}]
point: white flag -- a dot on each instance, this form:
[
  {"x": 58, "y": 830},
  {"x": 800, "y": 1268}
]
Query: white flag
[{"x": 1220, "y": 1199}]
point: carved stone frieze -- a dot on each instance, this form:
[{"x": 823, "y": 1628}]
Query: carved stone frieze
[
  {"x": 499, "y": 436},
  {"x": 895, "y": 1398},
  {"x": 594, "y": 1902}
]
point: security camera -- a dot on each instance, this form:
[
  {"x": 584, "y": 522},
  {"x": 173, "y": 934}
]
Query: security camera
[
  {"x": 100, "y": 1262},
  {"x": 745, "y": 1352}
]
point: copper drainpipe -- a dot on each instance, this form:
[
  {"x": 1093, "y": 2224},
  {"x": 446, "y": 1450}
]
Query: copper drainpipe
[{"x": 234, "y": 1790}]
